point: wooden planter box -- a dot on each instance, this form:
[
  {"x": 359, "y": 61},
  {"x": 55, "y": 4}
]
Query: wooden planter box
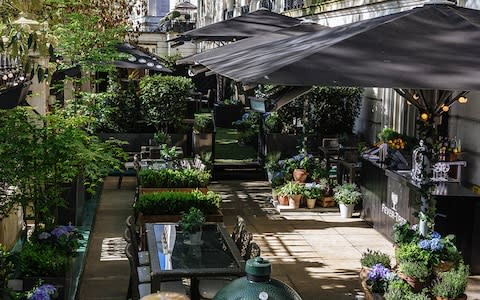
[{"x": 144, "y": 190}]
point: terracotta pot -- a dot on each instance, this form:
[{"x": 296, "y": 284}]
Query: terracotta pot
[
  {"x": 300, "y": 175},
  {"x": 461, "y": 297},
  {"x": 443, "y": 266},
  {"x": 283, "y": 199},
  {"x": 311, "y": 203},
  {"x": 414, "y": 283},
  {"x": 364, "y": 274},
  {"x": 294, "y": 201}
]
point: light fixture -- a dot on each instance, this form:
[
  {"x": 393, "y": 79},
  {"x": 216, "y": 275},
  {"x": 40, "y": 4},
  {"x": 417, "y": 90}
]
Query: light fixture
[
  {"x": 150, "y": 64},
  {"x": 409, "y": 103},
  {"x": 445, "y": 108},
  {"x": 424, "y": 116},
  {"x": 21, "y": 78},
  {"x": 158, "y": 66},
  {"x": 132, "y": 58},
  {"x": 5, "y": 77},
  {"x": 10, "y": 75},
  {"x": 142, "y": 60},
  {"x": 415, "y": 97},
  {"x": 462, "y": 100}
]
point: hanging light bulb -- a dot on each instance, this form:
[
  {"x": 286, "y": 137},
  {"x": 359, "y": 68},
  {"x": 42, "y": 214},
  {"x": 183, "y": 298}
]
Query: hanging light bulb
[
  {"x": 445, "y": 108},
  {"x": 462, "y": 100},
  {"x": 21, "y": 78},
  {"x": 409, "y": 103},
  {"x": 10, "y": 75},
  {"x": 415, "y": 97},
  {"x": 5, "y": 77},
  {"x": 424, "y": 116}
]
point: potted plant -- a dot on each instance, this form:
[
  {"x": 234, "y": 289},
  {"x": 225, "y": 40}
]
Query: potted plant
[
  {"x": 369, "y": 259},
  {"x": 312, "y": 193},
  {"x": 294, "y": 191},
  {"x": 271, "y": 164},
  {"x": 203, "y": 133},
  {"x": 452, "y": 284},
  {"x": 417, "y": 275},
  {"x": 191, "y": 224},
  {"x": 346, "y": 195},
  {"x": 398, "y": 289},
  {"x": 377, "y": 282}
]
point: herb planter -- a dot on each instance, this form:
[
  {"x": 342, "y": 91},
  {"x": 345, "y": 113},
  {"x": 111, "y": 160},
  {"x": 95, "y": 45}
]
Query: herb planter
[
  {"x": 327, "y": 202},
  {"x": 144, "y": 190},
  {"x": 282, "y": 199},
  {"x": 443, "y": 266},
  {"x": 414, "y": 283},
  {"x": 346, "y": 210}
]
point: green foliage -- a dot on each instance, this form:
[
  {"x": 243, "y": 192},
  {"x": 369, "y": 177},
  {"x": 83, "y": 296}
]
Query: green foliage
[
  {"x": 161, "y": 138},
  {"x": 192, "y": 220},
  {"x": 248, "y": 128},
  {"x": 203, "y": 123},
  {"x": 372, "y": 257},
  {"x": 64, "y": 238},
  {"x": 173, "y": 203},
  {"x": 43, "y": 154},
  {"x": 6, "y": 267},
  {"x": 400, "y": 290},
  {"x": 174, "y": 178},
  {"x": 271, "y": 161},
  {"x": 42, "y": 259},
  {"x": 403, "y": 233},
  {"x": 347, "y": 193},
  {"x": 313, "y": 191},
  {"x": 413, "y": 269},
  {"x": 451, "y": 284},
  {"x": 273, "y": 123},
  {"x": 164, "y": 99},
  {"x": 331, "y": 111},
  {"x": 291, "y": 188},
  {"x": 411, "y": 252}
]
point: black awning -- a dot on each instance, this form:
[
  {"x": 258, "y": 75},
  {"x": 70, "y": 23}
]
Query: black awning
[{"x": 140, "y": 59}]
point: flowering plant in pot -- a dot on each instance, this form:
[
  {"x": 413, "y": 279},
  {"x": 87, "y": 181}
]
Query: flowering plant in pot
[
  {"x": 445, "y": 254},
  {"x": 369, "y": 259},
  {"x": 43, "y": 292},
  {"x": 378, "y": 279},
  {"x": 312, "y": 192},
  {"x": 64, "y": 238},
  {"x": 346, "y": 195}
]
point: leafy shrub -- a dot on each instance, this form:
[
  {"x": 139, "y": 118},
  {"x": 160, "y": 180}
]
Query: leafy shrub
[
  {"x": 164, "y": 99},
  {"x": 42, "y": 259},
  {"x": 372, "y": 257},
  {"x": 411, "y": 252},
  {"x": 203, "y": 123},
  {"x": 6, "y": 266},
  {"x": 273, "y": 123},
  {"x": 451, "y": 284},
  {"x": 174, "y": 178},
  {"x": 313, "y": 191},
  {"x": 403, "y": 233},
  {"x": 414, "y": 269},
  {"x": 291, "y": 188},
  {"x": 347, "y": 193},
  {"x": 400, "y": 290},
  {"x": 173, "y": 203},
  {"x": 65, "y": 239},
  {"x": 192, "y": 220}
]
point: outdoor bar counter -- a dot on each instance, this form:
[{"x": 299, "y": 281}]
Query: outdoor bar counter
[{"x": 391, "y": 196}]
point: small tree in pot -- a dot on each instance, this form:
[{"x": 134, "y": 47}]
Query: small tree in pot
[{"x": 191, "y": 224}]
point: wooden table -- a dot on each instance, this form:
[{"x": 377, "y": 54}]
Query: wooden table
[{"x": 171, "y": 257}]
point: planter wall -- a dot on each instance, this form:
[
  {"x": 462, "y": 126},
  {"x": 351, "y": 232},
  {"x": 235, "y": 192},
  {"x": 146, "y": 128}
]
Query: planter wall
[{"x": 159, "y": 189}]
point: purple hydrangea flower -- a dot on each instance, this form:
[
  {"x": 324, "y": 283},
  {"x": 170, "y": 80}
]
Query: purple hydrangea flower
[
  {"x": 43, "y": 292},
  {"x": 61, "y": 230},
  {"x": 436, "y": 235},
  {"x": 424, "y": 244},
  {"x": 378, "y": 272},
  {"x": 436, "y": 244},
  {"x": 44, "y": 236}
]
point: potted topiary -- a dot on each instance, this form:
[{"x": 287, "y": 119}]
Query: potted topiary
[
  {"x": 451, "y": 284},
  {"x": 191, "y": 224},
  {"x": 346, "y": 195}
]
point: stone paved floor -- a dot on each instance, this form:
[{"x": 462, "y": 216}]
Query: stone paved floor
[{"x": 315, "y": 253}]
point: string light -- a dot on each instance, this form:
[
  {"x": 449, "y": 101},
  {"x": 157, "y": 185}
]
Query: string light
[
  {"x": 462, "y": 100},
  {"x": 415, "y": 97},
  {"x": 424, "y": 116},
  {"x": 409, "y": 103},
  {"x": 445, "y": 108}
]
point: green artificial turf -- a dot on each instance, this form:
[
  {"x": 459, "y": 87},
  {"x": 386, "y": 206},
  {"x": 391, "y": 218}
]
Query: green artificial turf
[{"x": 227, "y": 147}]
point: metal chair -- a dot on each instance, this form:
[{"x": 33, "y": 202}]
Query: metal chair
[
  {"x": 143, "y": 256},
  {"x": 137, "y": 288}
]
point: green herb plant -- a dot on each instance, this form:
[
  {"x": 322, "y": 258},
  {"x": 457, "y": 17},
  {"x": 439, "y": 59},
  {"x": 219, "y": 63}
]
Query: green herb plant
[
  {"x": 192, "y": 220},
  {"x": 372, "y": 257},
  {"x": 451, "y": 284},
  {"x": 413, "y": 269},
  {"x": 347, "y": 193}
]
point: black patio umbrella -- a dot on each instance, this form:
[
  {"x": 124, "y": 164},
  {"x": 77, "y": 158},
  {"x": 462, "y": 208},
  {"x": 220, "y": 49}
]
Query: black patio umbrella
[
  {"x": 139, "y": 59},
  {"x": 222, "y": 53},
  {"x": 255, "y": 23},
  {"x": 430, "y": 47}
]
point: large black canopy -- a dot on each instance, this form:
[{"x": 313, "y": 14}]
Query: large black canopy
[
  {"x": 222, "y": 53},
  {"x": 429, "y": 47},
  {"x": 255, "y": 23},
  {"x": 140, "y": 59}
]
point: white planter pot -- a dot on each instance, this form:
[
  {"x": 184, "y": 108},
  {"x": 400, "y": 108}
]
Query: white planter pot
[
  {"x": 346, "y": 210},
  {"x": 195, "y": 238}
]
